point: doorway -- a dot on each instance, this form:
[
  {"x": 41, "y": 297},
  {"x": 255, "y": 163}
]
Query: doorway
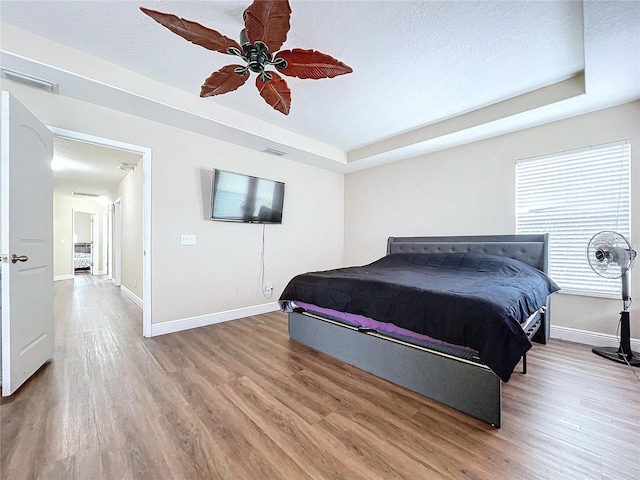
[
  {"x": 113, "y": 252},
  {"x": 86, "y": 243}
]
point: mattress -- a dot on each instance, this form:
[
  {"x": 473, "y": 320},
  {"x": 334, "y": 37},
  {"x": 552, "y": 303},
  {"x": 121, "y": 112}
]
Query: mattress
[
  {"x": 366, "y": 324},
  {"x": 81, "y": 260}
]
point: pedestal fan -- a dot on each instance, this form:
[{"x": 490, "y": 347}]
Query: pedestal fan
[{"x": 612, "y": 256}]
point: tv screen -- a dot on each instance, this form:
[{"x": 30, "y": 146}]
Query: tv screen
[{"x": 242, "y": 198}]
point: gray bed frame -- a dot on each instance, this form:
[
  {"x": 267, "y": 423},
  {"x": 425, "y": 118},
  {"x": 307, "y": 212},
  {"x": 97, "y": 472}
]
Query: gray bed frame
[{"x": 462, "y": 384}]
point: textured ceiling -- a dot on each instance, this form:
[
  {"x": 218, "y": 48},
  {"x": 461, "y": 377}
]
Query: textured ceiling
[
  {"x": 416, "y": 63},
  {"x": 88, "y": 168}
]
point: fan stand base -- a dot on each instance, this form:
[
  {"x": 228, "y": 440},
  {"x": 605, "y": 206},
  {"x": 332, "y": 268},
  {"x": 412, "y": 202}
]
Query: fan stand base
[
  {"x": 615, "y": 354},
  {"x": 624, "y": 350}
]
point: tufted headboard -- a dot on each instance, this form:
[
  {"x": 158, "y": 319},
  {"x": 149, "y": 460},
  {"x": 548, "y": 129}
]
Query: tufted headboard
[{"x": 530, "y": 249}]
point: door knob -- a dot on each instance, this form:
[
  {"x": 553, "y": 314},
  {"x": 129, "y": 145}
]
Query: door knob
[{"x": 15, "y": 258}]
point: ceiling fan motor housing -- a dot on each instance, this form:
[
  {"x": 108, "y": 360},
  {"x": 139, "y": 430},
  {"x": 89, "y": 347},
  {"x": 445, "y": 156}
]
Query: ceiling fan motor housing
[{"x": 257, "y": 56}]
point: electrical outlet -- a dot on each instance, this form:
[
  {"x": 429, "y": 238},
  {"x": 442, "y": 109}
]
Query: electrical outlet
[
  {"x": 268, "y": 290},
  {"x": 188, "y": 239}
]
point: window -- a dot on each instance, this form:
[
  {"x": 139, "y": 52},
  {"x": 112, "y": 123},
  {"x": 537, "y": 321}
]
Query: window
[{"x": 572, "y": 196}]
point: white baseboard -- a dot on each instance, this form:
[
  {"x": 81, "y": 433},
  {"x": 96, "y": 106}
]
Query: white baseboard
[
  {"x": 131, "y": 296},
  {"x": 590, "y": 338},
  {"x": 203, "y": 320},
  {"x": 68, "y": 276}
]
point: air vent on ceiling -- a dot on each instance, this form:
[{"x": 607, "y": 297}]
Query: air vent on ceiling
[
  {"x": 82, "y": 194},
  {"x": 126, "y": 166},
  {"x": 273, "y": 151},
  {"x": 29, "y": 80}
]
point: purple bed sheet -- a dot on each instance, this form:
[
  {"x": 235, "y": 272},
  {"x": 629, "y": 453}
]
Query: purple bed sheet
[{"x": 367, "y": 322}]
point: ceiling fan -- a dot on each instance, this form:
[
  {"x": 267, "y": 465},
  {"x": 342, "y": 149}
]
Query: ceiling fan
[{"x": 266, "y": 24}]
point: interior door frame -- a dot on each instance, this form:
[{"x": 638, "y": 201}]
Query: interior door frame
[
  {"x": 95, "y": 244},
  {"x": 95, "y": 240},
  {"x": 104, "y": 258},
  {"x": 117, "y": 242},
  {"x": 146, "y": 209}
]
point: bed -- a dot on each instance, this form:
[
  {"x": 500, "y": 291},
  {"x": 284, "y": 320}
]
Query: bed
[
  {"x": 458, "y": 363},
  {"x": 82, "y": 256}
]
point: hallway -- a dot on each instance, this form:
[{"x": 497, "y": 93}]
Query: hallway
[{"x": 54, "y": 416}]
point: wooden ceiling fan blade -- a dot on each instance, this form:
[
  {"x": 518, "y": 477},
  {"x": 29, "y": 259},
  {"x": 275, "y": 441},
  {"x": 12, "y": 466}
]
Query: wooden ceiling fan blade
[
  {"x": 192, "y": 31},
  {"x": 275, "y": 92},
  {"x": 224, "y": 80},
  {"x": 311, "y": 64},
  {"x": 268, "y": 22}
]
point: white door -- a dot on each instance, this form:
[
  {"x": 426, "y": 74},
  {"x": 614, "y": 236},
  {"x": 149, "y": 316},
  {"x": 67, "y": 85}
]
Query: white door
[{"x": 27, "y": 244}]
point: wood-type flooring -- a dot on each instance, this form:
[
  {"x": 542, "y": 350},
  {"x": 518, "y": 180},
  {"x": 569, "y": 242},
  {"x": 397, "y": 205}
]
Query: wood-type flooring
[{"x": 239, "y": 400}]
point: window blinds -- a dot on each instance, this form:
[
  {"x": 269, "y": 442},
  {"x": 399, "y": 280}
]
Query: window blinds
[{"x": 572, "y": 196}]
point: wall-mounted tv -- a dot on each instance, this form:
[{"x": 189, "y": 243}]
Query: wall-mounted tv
[{"x": 243, "y": 198}]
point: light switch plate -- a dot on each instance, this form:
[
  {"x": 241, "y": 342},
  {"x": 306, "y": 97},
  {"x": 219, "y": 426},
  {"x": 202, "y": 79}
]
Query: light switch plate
[{"x": 188, "y": 240}]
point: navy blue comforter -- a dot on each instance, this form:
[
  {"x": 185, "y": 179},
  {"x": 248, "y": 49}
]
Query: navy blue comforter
[{"x": 468, "y": 299}]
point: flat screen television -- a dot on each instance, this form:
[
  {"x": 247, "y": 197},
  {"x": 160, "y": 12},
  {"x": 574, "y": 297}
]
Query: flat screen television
[{"x": 243, "y": 198}]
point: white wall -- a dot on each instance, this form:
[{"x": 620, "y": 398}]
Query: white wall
[
  {"x": 221, "y": 272},
  {"x": 82, "y": 225},
  {"x": 471, "y": 190},
  {"x": 223, "y": 268},
  {"x": 129, "y": 191}
]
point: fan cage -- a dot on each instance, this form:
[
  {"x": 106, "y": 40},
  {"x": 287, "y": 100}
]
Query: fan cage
[{"x": 603, "y": 242}]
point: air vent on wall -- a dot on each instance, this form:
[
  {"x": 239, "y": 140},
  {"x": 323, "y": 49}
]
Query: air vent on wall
[
  {"x": 273, "y": 151},
  {"x": 29, "y": 80},
  {"x": 82, "y": 194}
]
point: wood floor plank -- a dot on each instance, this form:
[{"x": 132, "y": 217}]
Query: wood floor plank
[
  {"x": 86, "y": 464},
  {"x": 441, "y": 453},
  {"x": 259, "y": 454},
  {"x": 293, "y": 394},
  {"x": 239, "y": 400},
  {"x": 310, "y": 448},
  {"x": 381, "y": 457},
  {"x": 21, "y": 437}
]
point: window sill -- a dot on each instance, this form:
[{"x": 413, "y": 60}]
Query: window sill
[{"x": 579, "y": 293}]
